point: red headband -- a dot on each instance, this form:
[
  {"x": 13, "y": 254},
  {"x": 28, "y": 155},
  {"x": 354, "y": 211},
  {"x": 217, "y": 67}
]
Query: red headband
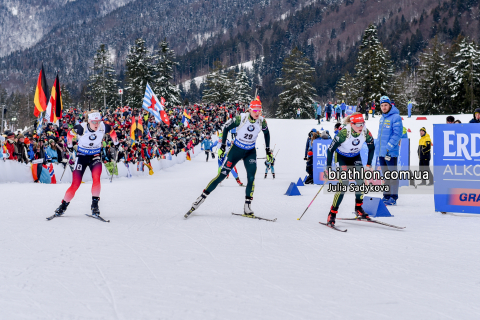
[{"x": 356, "y": 118}]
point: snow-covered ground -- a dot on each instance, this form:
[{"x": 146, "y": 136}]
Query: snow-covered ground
[{"x": 150, "y": 263}]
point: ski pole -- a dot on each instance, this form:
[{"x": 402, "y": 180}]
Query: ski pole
[
  {"x": 114, "y": 165},
  {"x": 66, "y": 164},
  {"x": 277, "y": 153},
  {"x": 312, "y": 201}
]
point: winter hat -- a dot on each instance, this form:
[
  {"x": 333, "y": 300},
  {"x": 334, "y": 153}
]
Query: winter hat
[
  {"x": 9, "y": 134},
  {"x": 423, "y": 129},
  {"x": 95, "y": 116},
  {"x": 20, "y": 136},
  {"x": 385, "y": 99},
  {"x": 256, "y": 104},
  {"x": 356, "y": 118},
  {"x": 314, "y": 130}
]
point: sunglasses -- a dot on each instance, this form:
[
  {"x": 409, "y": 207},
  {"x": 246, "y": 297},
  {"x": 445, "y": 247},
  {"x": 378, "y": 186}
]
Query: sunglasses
[
  {"x": 256, "y": 111},
  {"x": 95, "y": 121},
  {"x": 359, "y": 124}
]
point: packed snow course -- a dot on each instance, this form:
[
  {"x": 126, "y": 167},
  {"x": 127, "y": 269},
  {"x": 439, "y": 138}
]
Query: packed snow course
[{"x": 150, "y": 263}]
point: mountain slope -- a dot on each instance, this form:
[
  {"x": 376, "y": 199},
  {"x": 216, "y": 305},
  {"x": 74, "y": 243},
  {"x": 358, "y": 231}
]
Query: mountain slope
[{"x": 24, "y": 23}]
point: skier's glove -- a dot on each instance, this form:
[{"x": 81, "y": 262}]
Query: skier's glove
[
  {"x": 305, "y": 158},
  {"x": 222, "y": 150},
  {"x": 269, "y": 155}
]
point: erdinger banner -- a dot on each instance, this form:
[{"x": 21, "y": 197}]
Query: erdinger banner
[{"x": 457, "y": 167}]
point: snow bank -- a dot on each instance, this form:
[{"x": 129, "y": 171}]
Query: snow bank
[{"x": 13, "y": 171}]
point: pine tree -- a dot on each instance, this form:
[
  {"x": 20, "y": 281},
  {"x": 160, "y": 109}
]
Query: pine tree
[
  {"x": 66, "y": 97},
  {"x": 432, "y": 74},
  {"x": 466, "y": 76},
  {"x": 242, "y": 88},
  {"x": 374, "y": 68},
  {"x": 103, "y": 83},
  {"x": 298, "y": 91},
  {"x": 217, "y": 89},
  {"x": 164, "y": 75},
  {"x": 347, "y": 85},
  {"x": 139, "y": 72}
]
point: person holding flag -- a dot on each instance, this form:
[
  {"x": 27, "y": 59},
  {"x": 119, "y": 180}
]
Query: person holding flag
[
  {"x": 89, "y": 142},
  {"x": 248, "y": 125},
  {"x": 185, "y": 117}
]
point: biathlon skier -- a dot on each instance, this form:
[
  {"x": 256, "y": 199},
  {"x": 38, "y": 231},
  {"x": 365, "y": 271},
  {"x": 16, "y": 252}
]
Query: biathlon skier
[
  {"x": 269, "y": 165},
  {"x": 248, "y": 125},
  {"x": 89, "y": 141},
  {"x": 346, "y": 147}
]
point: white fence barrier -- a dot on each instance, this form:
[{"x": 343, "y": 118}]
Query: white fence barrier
[{"x": 13, "y": 171}]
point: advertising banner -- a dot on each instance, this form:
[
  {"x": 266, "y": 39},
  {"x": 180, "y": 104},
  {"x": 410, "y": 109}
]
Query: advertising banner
[{"x": 456, "y": 173}]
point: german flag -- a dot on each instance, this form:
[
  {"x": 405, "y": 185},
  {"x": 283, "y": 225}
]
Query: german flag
[
  {"x": 136, "y": 125},
  {"x": 41, "y": 91},
  {"x": 58, "y": 99}
]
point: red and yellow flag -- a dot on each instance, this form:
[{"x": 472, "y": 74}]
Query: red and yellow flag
[
  {"x": 136, "y": 125},
  {"x": 41, "y": 91},
  {"x": 188, "y": 156}
]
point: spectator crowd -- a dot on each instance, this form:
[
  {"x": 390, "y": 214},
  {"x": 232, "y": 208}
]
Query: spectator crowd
[{"x": 46, "y": 142}]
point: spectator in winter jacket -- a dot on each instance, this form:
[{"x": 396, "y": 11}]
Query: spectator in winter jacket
[
  {"x": 22, "y": 150},
  {"x": 2, "y": 147},
  {"x": 424, "y": 155},
  {"x": 372, "y": 107},
  {"x": 309, "y": 142},
  {"x": 11, "y": 146},
  {"x": 390, "y": 131},
  {"x": 343, "y": 106},
  {"x": 51, "y": 152},
  {"x": 319, "y": 112},
  {"x": 476, "y": 116},
  {"x": 338, "y": 112},
  {"x": 328, "y": 110}
]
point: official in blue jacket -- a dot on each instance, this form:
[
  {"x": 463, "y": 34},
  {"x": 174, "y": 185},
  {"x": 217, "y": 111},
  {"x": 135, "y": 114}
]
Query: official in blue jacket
[
  {"x": 344, "y": 107},
  {"x": 390, "y": 131},
  {"x": 338, "y": 112},
  {"x": 319, "y": 112}
]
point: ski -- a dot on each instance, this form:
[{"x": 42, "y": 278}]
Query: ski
[
  {"x": 333, "y": 227},
  {"x": 97, "y": 217},
  {"x": 188, "y": 213},
  {"x": 372, "y": 221},
  {"x": 54, "y": 216},
  {"x": 254, "y": 217}
]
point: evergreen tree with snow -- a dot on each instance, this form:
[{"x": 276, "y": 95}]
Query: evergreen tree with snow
[
  {"x": 217, "y": 89},
  {"x": 242, "y": 88},
  {"x": 163, "y": 87},
  {"x": 298, "y": 92},
  {"x": 433, "y": 91},
  {"x": 139, "y": 71},
  {"x": 103, "y": 83},
  {"x": 66, "y": 97},
  {"x": 374, "y": 69},
  {"x": 347, "y": 85},
  {"x": 466, "y": 77}
]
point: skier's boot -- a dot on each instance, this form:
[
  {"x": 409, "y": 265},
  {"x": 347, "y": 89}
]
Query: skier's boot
[
  {"x": 265, "y": 176},
  {"x": 359, "y": 212},
  {"x": 62, "y": 208},
  {"x": 95, "y": 208},
  {"x": 247, "y": 209},
  {"x": 239, "y": 182},
  {"x": 331, "y": 216},
  {"x": 273, "y": 174},
  {"x": 197, "y": 203}
]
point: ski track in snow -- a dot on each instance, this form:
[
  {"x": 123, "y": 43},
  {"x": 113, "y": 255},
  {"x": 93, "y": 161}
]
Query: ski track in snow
[{"x": 151, "y": 263}]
